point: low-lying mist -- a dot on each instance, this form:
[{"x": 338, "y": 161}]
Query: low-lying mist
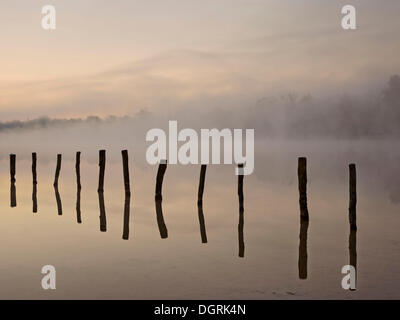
[
  {"x": 374, "y": 115},
  {"x": 330, "y": 132}
]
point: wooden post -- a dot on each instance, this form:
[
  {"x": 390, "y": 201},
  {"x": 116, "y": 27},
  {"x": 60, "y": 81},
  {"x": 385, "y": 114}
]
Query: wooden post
[
  {"x": 302, "y": 175},
  {"x": 57, "y": 175},
  {"x": 353, "y": 197},
  {"x": 79, "y": 186},
  {"x": 34, "y": 177},
  {"x": 125, "y": 163},
  {"x": 158, "y": 198},
  {"x": 58, "y": 169},
  {"x": 303, "y": 249},
  {"x": 12, "y": 167},
  {"x": 241, "y": 211},
  {"x": 100, "y": 190},
  {"x": 13, "y": 192},
  {"x": 160, "y": 178},
  {"x": 200, "y": 203}
]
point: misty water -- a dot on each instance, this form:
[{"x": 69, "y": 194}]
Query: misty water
[{"x": 97, "y": 265}]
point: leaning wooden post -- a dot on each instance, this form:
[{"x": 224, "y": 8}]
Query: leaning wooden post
[
  {"x": 34, "y": 178},
  {"x": 56, "y": 177},
  {"x": 100, "y": 190},
  {"x": 160, "y": 178},
  {"x": 58, "y": 169},
  {"x": 302, "y": 175},
  {"x": 158, "y": 198},
  {"x": 125, "y": 163},
  {"x": 13, "y": 196},
  {"x": 353, "y": 197},
  {"x": 78, "y": 186},
  {"x": 241, "y": 210},
  {"x": 200, "y": 203}
]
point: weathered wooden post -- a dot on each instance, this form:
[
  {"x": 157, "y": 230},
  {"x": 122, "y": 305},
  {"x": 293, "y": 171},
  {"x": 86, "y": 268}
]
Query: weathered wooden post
[
  {"x": 125, "y": 163},
  {"x": 100, "y": 190},
  {"x": 200, "y": 203},
  {"x": 353, "y": 197},
  {"x": 58, "y": 169},
  {"x": 158, "y": 198},
  {"x": 13, "y": 191},
  {"x": 241, "y": 211},
  {"x": 55, "y": 184},
  {"x": 34, "y": 178},
  {"x": 79, "y": 186},
  {"x": 12, "y": 167},
  {"x": 302, "y": 264},
  {"x": 302, "y": 175}
]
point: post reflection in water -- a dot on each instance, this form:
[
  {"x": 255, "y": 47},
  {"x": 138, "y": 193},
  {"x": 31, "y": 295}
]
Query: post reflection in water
[
  {"x": 58, "y": 200},
  {"x": 353, "y": 251},
  {"x": 303, "y": 249},
  {"x": 13, "y": 194},
  {"x": 241, "y": 211},
  {"x": 103, "y": 221},
  {"x": 57, "y": 175},
  {"x": 203, "y": 232},
  {"x": 158, "y": 199},
  {"x": 125, "y": 232}
]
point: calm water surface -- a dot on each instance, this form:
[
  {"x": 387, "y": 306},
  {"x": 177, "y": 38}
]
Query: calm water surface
[{"x": 100, "y": 265}]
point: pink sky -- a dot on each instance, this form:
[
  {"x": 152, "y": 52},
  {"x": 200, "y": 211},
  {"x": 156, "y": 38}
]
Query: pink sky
[{"x": 120, "y": 57}]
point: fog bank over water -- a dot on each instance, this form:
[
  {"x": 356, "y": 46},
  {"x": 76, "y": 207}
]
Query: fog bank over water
[
  {"x": 375, "y": 114},
  {"x": 331, "y": 133}
]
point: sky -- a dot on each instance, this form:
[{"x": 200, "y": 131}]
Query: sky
[{"x": 123, "y": 57}]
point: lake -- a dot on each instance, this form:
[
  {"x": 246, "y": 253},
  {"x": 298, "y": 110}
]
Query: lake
[{"x": 91, "y": 264}]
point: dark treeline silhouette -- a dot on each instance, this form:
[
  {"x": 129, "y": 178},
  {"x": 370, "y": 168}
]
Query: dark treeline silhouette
[
  {"x": 158, "y": 199},
  {"x": 46, "y": 122},
  {"x": 295, "y": 116}
]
